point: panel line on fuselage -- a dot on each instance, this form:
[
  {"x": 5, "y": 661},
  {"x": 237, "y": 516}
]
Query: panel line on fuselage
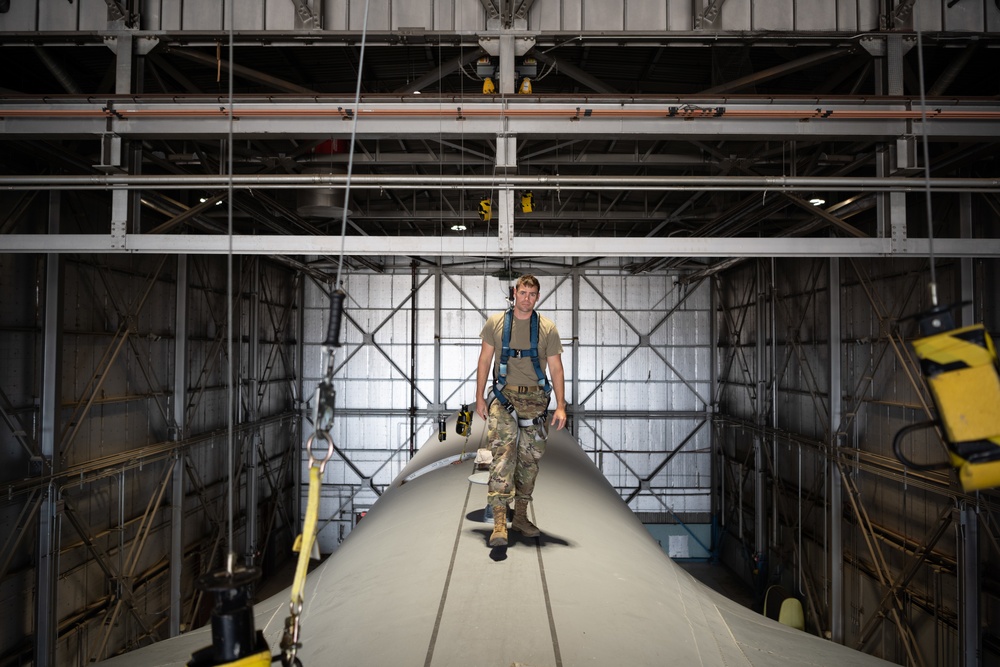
[
  {"x": 548, "y": 604},
  {"x": 447, "y": 580}
]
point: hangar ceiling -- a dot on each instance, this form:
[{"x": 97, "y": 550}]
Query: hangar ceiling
[
  {"x": 658, "y": 145},
  {"x": 667, "y": 134}
]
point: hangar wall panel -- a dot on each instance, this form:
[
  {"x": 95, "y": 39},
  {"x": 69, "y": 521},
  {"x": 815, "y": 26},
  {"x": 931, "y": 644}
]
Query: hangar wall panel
[
  {"x": 631, "y": 403},
  {"x": 117, "y": 439},
  {"x": 780, "y": 454}
]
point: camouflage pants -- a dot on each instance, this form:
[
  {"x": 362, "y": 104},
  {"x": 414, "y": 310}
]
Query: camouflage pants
[{"x": 515, "y": 456}]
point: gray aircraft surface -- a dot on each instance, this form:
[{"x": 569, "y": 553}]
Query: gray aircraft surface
[{"x": 416, "y": 584}]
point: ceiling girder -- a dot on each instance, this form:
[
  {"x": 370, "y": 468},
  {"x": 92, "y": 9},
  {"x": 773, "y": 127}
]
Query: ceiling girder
[
  {"x": 239, "y": 70},
  {"x": 576, "y": 73},
  {"x": 523, "y": 246},
  {"x": 782, "y": 70},
  {"x": 441, "y": 71},
  {"x": 716, "y": 119},
  {"x": 491, "y": 182}
]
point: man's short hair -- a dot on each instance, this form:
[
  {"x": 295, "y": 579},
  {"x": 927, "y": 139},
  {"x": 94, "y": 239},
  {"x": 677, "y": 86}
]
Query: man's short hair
[{"x": 528, "y": 280}]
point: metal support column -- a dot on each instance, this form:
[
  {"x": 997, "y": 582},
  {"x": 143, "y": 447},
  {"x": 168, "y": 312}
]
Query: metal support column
[
  {"x": 506, "y": 69},
  {"x": 967, "y": 278},
  {"x": 760, "y": 419},
  {"x": 505, "y": 220},
  {"x": 122, "y": 45},
  {"x": 47, "y": 563},
  {"x": 251, "y": 414},
  {"x": 891, "y": 208},
  {"x": 178, "y": 433},
  {"x": 969, "y": 624},
  {"x": 833, "y": 476},
  {"x": 718, "y": 460},
  {"x": 438, "y": 285},
  {"x": 574, "y": 394},
  {"x": 302, "y": 404}
]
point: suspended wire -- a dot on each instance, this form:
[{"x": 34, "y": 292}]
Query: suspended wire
[
  {"x": 350, "y": 152},
  {"x": 502, "y": 136},
  {"x": 469, "y": 76},
  {"x": 927, "y": 162},
  {"x": 230, "y": 403},
  {"x": 441, "y": 195},
  {"x": 546, "y": 72}
]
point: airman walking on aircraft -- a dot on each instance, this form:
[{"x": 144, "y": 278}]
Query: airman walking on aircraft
[{"x": 518, "y": 344}]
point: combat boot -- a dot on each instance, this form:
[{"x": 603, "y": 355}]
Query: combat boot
[
  {"x": 521, "y": 522},
  {"x": 499, "y": 536}
]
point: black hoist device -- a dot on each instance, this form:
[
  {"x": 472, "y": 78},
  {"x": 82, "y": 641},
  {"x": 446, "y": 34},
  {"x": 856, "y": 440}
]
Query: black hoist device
[
  {"x": 235, "y": 641},
  {"x": 960, "y": 367}
]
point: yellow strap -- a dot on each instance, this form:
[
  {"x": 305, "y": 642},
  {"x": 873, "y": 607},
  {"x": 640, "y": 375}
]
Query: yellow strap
[
  {"x": 308, "y": 536},
  {"x": 262, "y": 659}
]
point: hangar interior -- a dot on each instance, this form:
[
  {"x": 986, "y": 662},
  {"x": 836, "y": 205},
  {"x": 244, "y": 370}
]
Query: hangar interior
[{"x": 736, "y": 209}]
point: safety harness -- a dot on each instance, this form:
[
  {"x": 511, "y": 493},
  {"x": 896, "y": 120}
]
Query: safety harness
[{"x": 506, "y": 352}]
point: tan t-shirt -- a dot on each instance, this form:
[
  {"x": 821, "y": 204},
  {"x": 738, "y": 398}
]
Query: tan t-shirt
[{"x": 520, "y": 371}]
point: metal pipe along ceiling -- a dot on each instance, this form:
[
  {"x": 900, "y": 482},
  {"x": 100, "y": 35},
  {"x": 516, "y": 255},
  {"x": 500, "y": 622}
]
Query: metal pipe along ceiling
[{"x": 542, "y": 182}]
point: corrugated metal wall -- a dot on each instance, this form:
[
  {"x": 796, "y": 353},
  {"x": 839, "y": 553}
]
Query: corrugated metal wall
[
  {"x": 782, "y": 452},
  {"x": 641, "y": 356},
  {"x": 638, "y": 374},
  {"x": 119, "y": 437}
]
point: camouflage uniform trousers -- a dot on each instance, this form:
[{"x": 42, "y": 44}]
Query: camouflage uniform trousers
[{"x": 515, "y": 459}]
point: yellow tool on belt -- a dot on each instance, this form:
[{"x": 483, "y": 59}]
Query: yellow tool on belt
[{"x": 960, "y": 366}]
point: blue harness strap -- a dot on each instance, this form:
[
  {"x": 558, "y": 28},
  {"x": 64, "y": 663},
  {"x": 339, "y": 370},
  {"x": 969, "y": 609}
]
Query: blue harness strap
[{"x": 506, "y": 352}]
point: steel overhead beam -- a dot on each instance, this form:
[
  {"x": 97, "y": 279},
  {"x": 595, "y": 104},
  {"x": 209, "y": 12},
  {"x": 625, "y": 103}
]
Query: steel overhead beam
[
  {"x": 238, "y": 70},
  {"x": 825, "y": 215},
  {"x": 537, "y": 181},
  {"x": 781, "y": 70},
  {"x": 441, "y": 71},
  {"x": 320, "y": 118},
  {"x": 523, "y": 246},
  {"x": 575, "y": 73}
]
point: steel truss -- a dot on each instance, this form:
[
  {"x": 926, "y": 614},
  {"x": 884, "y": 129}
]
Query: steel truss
[
  {"x": 855, "y": 467},
  {"x": 134, "y": 576}
]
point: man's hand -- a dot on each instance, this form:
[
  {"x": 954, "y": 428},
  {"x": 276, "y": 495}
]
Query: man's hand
[
  {"x": 559, "y": 418},
  {"x": 481, "y": 408}
]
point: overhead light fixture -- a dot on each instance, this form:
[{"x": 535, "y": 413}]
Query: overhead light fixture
[
  {"x": 205, "y": 199},
  {"x": 416, "y": 92},
  {"x": 816, "y": 201},
  {"x": 458, "y": 228}
]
